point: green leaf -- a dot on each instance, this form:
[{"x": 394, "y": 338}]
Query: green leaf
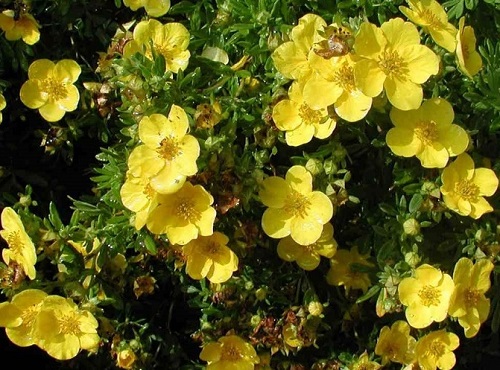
[
  {"x": 415, "y": 203},
  {"x": 54, "y": 218},
  {"x": 370, "y": 293}
]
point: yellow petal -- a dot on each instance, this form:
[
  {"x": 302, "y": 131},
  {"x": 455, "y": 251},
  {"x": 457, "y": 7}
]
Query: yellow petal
[
  {"x": 290, "y": 62},
  {"x": 400, "y": 34},
  {"x": 353, "y": 106},
  {"x": 325, "y": 129},
  {"x": 167, "y": 180},
  {"x": 308, "y": 261},
  {"x": 422, "y": 62},
  {"x": 276, "y": 223},
  {"x": 288, "y": 249},
  {"x": 197, "y": 266},
  {"x": 305, "y": 231},
  {"x": 479, "y": 208},
  {"x": 70, "y": 102},
  {"x": 67, "y": 70},
  {"x": 369, "y": 77},
  {"x": 274, "y": 192},
  {"x": 157, "y": 8},
  {"x": 286, "y": 115},
  {"x": 321, "y": 208},
  {"x": 211, "y": 352},
  {"x": 320, "y": 93},
  {"x": 153, "y": 129},
  {"x": 454, "y": 138},
  {"x": 299, "y": 179},
  {"x": 403, "y": 94},
  {"x": 403, "y": 142},
  {"x": 144, "y": 162},
  {"x": 40, "y": 69},
  {"x": 300, "y": 135},
  {"x": 370, "y": 41},
  {"x": 51, "y": 112},
  {"x": 31, "y": 95},
  {"x": 433, "y": 155},
  {"x": 445, "y": 36}
]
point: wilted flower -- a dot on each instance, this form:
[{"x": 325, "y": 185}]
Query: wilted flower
[
  {"x": 435, "y": 350},
  {"x": 464, "y": 187},
  {"x": 50, "y": 88},
  {"x": 342, "y": 271},
  {"x": 144, "y": 285},
  {"x": 468, "y": 302},
  {"x": 364, "y": 363},
  {"x": 426, "y": 296},
  {"x": 433, "y": 18},
  {"x": 229, "y": 352},
  {"x": 299, "y": 121},
  {"x": 468, "y": 59},
  {"x": 308, "y": 256},
  {"x": 183, "y": 215},
  {"x": 293, "y": 207},
  {"x": 395, "y": 344},
  {"x": 154, "y": 8},
  {"x": 427, "y": 133},
  {"x": 170, "y": 40},
  {"x": 126, "y": 358},
  {"x": 3, "y": 104},
  {"x": 25, "y": 27},
  {"x": 394, "y": 61},
  {"x": 210, "y": 257},
  {"x": 21, "y": 249}
]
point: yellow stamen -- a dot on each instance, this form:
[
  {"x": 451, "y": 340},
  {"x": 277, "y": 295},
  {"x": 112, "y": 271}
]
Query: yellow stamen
[
  {"x": 429, "y": 296},
  {"x": 426, "y": 131},
  {"x": 297, "y": 204}
]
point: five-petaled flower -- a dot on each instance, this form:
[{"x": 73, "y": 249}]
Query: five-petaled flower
[
  {"x": 395, "y": 344},
  {"x": 25, "y": 27},
  {"x": 229, "y": 352},
  {"x": 468, "y": 59},
  {"x": 427, "y": 133},
  {"x": 343, "y": 271},
  {"x": 21, "y": 249},
  {"x": 394, "y": 61},
  {"x": 435, "y": 350},
  {"x": 170, "y": 40},
  {"x": 50, "y": 88},
  {"x": 210, "y": 257},
  {"x": 293, "y": 207},
  {"x": 426, "y": 296},
  {"x": 308, "y": 257},
  {"x": 154, "y": 8},
  {"x": 464, "y": 187},
  {"x": 468, "y": 302},
  {"x": 432, "y": 17}
]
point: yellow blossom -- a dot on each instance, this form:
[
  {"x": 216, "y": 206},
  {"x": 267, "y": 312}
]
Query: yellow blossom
[
  {"x": 395, "y": 344},
  {"x": 334, "y": 83},
  {"x": 3, "y": 104},
  {"x": 62, "y": 329},
  {"x": 50, "y": 88},
  {"x": 468, "y": 59},
  {"x": 25, "y": 27},
  {"x": 210, "y": 257},
  {"x": 291, "y": 58},
  {"x": 183, "y": 215},
  {"x": 299, "y": 121},
  {"x": 21, "y": 249},
  {"x": 342, "y": 272},
  {"x": 435, "y": 350},
  {"x": 431, "y": 16},
  {"x": 426, "y": 296},
  {"x": 229, "y": 352},
  {"x": 168, "y": 154},
  {"x": 468, "y": 302},
  {"x": 19, "y": 315},
  {"x": 170, "y": 40},
  {"x": 394, "y": 62},
  {"x": 126, "y": 358},
  {"x": 308, "y": 256},
  {"x": 364, "y": 363},
  {"x": 154, "y": 8},
  {"x": 293, "y": 207},
  {"x": 427, "y": 133},
  {"x": 464, "y": 187}
]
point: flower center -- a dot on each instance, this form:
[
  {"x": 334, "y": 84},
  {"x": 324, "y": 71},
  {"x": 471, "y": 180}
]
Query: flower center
[
  {"x": 426, "y": 131},
  {"x": 29, "y": 314},
  {"x": 211, "y": 249},
  {"x": 467, "y": 190},
  {"x": 297, "y": 204},
  {"x": 430, "y": 19},
  {"x": 437, "y": 349},
  {"x": 392, "y": 64},
  {"x": 345, "y": 78},
  {"x": 186, "y": 210},
  {"x": 149, "y": 192},
  {"x": 230, "y": 353},
  {"x": 309, "y": 116},
  {"x": 14, "y": 241},
  {"x": 429, "y": 295},
  {"x": 169, "y": 148},
  {"x": 56, "y": 90},
  {"x": 472, "y": 297},
  {"x": 68, "y": 324}
]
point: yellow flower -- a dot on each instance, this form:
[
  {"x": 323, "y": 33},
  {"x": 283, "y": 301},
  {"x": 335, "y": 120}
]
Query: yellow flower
[
  {"x": 468, "y": 59},
  {"x": 19, "y": 315},
  {"x": 364, "y": 363},
  {"x": 183, "y": 215},
  {"x": 210, "y": 257},
  {"x": 394, "y": 61},
  {"x": 468, "y": 301},
  {"x": 229, "y": 352},
  {"x": 62, "y": 329},
  {"x": 126, "y": 358},
  {"x": 395, "y": 344},
  {"x": 154, "y": 8},
  {"x": 464, "y": 187},
  {"x": 21, "y": 249},
  {"x": 433, "y": 18},
  {"x": 427, "y": 133},
  {"x": 334, "y": 83},
  {"x": 170, "y": 40},
  {"x": 26, "y": 27},
  {"x": 50, "y": 88},
  {"x": 3, "y": 104},
  {"x": 168, "y": 154},
  {"x": 291, "y": 58},
  {"x": 299, "y": 121},
  {"x": 308, "y": 256},
  {"x": 139, "y": 196},
  {"x": 341, "y": 270},
  {"x": 435, "y": 350},
  {"x": 293, "y": 207},
  {"x": 427, "y": 296}
]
